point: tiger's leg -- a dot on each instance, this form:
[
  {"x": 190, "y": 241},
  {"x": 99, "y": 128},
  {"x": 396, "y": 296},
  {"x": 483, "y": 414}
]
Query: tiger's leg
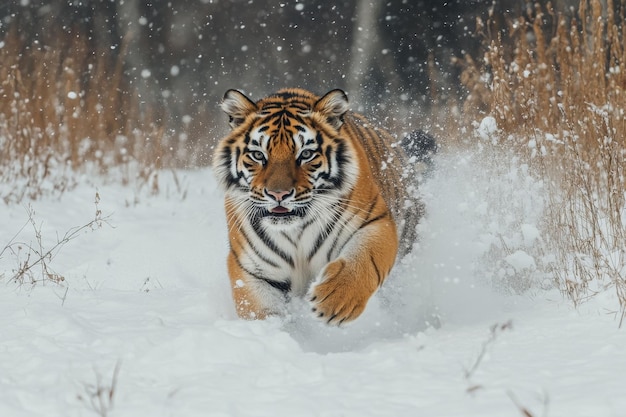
[
  {"x": 346, "y": 284},
  {"x": 253, "y": 299}
]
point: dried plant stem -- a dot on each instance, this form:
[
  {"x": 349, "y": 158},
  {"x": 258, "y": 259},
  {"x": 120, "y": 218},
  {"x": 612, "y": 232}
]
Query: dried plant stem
[{"x": 100, "y": 398}]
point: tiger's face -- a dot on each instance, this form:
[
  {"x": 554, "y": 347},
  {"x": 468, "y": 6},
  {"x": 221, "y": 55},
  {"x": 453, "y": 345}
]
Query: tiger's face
[{"x": 285, "y": 161}]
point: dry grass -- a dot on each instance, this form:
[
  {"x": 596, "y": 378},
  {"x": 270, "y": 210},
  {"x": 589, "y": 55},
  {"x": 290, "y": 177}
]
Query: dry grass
[
  {"x": 64, "y": 108},
  {"x": 556, "y": 85}
]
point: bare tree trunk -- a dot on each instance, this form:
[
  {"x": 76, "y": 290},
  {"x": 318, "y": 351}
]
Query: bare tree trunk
[
  {"x": 364, "y": 43},
  {"x": 368, "y": 57}
]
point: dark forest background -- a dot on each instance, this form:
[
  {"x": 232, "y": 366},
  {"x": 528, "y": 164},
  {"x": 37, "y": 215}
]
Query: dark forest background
[{"x": 180, "y": 56}]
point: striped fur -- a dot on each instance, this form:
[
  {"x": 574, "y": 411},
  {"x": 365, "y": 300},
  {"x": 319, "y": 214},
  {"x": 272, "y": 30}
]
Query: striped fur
[{"x": 315, "y": 203}]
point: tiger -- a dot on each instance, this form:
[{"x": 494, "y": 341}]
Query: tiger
[{"x": 317, "y": 203}]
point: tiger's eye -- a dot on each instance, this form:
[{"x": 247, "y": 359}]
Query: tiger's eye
[
  {"x": 306, "y": 154},
  {"x": 258, "y": 155}
]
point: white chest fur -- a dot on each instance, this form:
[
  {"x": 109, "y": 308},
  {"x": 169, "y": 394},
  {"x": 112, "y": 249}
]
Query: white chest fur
[{"x": 295, "y": 254}]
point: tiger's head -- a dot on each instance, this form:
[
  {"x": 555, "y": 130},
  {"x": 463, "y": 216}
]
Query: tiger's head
[{"x": 285, "y": 159}]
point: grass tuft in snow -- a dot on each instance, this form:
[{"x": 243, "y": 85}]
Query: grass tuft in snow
[
  {"x": 34, "y": 259},
  {"x": 99, "y": 397}
]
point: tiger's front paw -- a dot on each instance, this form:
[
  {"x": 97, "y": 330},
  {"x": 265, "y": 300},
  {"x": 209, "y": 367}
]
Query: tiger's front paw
[{"x": 342, "y": 294}]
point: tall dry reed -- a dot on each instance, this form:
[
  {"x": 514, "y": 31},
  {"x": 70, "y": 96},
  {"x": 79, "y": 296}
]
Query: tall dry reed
[
  {"x": 556, "y": 85},
  {"x": 65, "y": 107}
]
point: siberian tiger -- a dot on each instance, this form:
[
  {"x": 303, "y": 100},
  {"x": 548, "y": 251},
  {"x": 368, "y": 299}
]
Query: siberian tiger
[{"x": 316, "y": 203}]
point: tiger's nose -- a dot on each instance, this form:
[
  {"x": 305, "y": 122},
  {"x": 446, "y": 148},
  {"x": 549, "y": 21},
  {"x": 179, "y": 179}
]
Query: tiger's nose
[{"x": 278, "y": 195}]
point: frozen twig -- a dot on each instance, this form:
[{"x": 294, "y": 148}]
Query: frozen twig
[
  {"x": 495, "y": 330},
  {"x": 524, "y": 410}
]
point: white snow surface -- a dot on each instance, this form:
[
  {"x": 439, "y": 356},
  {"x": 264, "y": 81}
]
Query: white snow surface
[{"x": 148, "y": 294}]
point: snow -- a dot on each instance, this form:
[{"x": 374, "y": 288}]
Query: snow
[
  {"x": 520, "y": 260},
  {"x": 487, "y": 128},
  {"x": 145, "y": 310}
]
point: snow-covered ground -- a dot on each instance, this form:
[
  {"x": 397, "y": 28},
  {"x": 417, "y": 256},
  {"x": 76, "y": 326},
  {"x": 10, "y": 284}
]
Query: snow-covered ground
[{"x": 143, "y": 323}]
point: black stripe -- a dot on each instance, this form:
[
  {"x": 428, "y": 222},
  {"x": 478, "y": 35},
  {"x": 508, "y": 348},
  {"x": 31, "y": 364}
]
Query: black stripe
[
  {"x": 256, "y": 252},
  {"x": 285, "y": 95},
  {"x": 365, "y": 224},
  {"x": 375, "y": 219},
  {"x": 371, "y": 142},
  {"x": 285, "y": 286},
  {"x": 342, "y": 159},
  {"x": 380, "y": 277},
  {"x": 328, "y": 154},
  {"x": 339, "y": 233},
  {"x": 337, "y": 180},
  {"x": 323, "y": 235},
  {"x": 266, "y": 239},
  {"x": 304, "y": 227},
  {"x": 282, "y": 117},
  {"x": 370, "y": 209},
  {"x": 273, "y": 106},
  {"x": 289, "y": 239},
  {"x": 244, "y": 269},
  {"x": 334, "y": 245}
]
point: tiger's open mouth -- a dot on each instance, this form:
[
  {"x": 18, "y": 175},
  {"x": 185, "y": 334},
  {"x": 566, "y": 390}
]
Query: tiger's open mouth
[{"x": 280, "y": 211}]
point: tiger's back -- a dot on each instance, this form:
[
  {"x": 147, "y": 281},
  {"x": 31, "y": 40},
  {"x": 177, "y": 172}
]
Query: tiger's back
[
  {"x": 389, "y": 164},
  {"x": 315, "y": 201}
]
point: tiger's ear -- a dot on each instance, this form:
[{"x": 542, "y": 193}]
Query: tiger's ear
[
  {"x": 237, "y": 106},
  {"x": 333, "y": 105}
]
